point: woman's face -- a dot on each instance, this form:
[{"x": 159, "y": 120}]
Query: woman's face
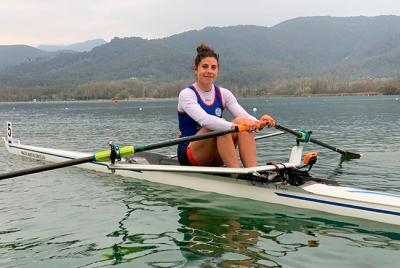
[{"x": 207, "y": 71}]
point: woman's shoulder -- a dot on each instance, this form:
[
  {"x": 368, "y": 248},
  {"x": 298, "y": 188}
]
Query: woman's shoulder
[
  {"x": 187, "y": 92},
  {"x": 186, "y": 89},
  {"x": 225, "y": 91}
]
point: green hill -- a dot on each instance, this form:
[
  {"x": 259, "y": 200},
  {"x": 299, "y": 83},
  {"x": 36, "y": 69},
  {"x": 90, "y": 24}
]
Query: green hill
[
  {"x": 16, "y": 54},
  {"x": 349, "y": 48}
]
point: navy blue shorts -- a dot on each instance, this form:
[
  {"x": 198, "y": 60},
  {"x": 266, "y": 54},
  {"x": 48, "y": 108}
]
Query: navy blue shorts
[{"x": 185, "y": 157}]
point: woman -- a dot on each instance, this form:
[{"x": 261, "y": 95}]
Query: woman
[{"x": 200, "y": 110}]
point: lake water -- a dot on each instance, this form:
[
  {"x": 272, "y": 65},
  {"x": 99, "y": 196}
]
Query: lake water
[{"x": 76, "y": 218}]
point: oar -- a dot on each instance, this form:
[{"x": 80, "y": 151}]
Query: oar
[
  {"x": 346, "y": 155},
  {"x": 125, "y": 151}
]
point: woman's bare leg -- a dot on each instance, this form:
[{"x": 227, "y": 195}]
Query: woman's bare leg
[
  {"x": 246, "y": 142},
  {"x": 247, "y": 149},
  {"x": 227, "y": 151},
  {"x": 206, "y": 152}
]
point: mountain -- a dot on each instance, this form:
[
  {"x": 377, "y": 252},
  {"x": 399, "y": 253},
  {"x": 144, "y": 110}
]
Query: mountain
[
  {"x": 16, "y": 54},
  {"x": 78, "y": 47},
  {"x": 348, "y": 48}
]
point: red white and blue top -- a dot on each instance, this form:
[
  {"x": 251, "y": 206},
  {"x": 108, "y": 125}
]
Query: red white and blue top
[{"x": 197, "y": 109}]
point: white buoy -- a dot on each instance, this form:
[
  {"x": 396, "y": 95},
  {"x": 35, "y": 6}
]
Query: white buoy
[
  {"x": 140, "y": 108},
  {"x": 66, "y": 108}
]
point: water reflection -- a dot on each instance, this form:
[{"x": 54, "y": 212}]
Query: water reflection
[
  {"x": 224, "y": 240},
  {"x": 130, "y": 244},
  {"x": 220, "y": 239},
  {"x": 93, "y": 220},
  {"x": 217, "y": 231}
]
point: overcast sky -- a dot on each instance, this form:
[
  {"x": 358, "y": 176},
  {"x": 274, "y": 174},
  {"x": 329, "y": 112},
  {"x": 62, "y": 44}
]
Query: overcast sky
[{"x": 35, "y": 22}]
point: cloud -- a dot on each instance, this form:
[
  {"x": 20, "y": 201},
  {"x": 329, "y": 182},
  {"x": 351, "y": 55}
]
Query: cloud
[{"x": 67, "y": 21}]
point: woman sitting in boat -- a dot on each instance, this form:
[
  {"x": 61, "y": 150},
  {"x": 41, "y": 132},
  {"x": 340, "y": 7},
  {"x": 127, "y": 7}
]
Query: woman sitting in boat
[{"x": 200, "y": 109}]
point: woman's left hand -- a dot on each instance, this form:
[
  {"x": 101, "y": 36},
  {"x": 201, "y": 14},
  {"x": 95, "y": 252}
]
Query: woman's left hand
[
  {"x": 267, "y": 120},
  {"x": 250, "y": 124}
]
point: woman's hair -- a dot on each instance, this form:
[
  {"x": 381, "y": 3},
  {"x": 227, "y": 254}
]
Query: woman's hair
[{"x": 203, "y": 51}]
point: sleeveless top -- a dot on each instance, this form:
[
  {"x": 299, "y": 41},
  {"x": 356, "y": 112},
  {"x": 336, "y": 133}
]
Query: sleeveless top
[{"x": 187, "y": 125}]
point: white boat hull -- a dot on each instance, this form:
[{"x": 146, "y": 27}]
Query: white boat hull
[{"x": 345, "y": 201}]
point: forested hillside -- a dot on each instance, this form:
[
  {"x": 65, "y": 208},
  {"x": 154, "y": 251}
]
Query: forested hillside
[{"x": 337, "y": 49}]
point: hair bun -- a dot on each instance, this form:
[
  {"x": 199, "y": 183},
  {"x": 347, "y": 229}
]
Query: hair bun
[
  {"x": 204, "y": 48},
  {"x": 204, "y": 51}
]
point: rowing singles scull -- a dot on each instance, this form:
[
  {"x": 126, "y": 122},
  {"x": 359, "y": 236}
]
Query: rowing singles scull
[{"x": 278, "y": 183}]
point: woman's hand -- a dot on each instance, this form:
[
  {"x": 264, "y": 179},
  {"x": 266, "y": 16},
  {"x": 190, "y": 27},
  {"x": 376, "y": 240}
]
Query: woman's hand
[
  {"x": 267, "y": 120},
  {"x": 252, "y": 125}
]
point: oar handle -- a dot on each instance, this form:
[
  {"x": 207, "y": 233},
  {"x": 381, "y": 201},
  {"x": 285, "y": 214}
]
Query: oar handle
[{"x": 298, "y": 135}]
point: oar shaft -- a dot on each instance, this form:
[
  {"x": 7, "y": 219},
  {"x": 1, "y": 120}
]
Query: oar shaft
[
  {"x": 46, "y": 167},
  {"x": 142, "y": 148},
  {"x": 127, "y": 150},
  {"x": 327, "y": 146},
  {"x": 297, "y": 134}
]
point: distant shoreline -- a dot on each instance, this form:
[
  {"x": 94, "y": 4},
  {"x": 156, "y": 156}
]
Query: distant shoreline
[
  {"x": 143, "y": 91},
  {"x": 361, "y": 94}
]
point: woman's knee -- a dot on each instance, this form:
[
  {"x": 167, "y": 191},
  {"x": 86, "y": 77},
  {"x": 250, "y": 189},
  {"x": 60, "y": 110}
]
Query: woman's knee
[{"x": 245, "y": 135}]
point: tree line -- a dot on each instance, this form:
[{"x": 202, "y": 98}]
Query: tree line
[{"x": 138, "y": 89}]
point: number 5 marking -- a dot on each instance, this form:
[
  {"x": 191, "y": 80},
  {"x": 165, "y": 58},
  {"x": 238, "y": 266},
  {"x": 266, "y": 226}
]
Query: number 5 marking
[{"x": 9, "y": 130}]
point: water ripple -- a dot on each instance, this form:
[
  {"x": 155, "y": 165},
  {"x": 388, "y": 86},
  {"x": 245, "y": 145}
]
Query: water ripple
[{"x": 75, "y": 218}]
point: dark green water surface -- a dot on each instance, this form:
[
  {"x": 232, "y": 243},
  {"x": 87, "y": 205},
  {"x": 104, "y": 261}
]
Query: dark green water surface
[{"x": 76, "y": 218}]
